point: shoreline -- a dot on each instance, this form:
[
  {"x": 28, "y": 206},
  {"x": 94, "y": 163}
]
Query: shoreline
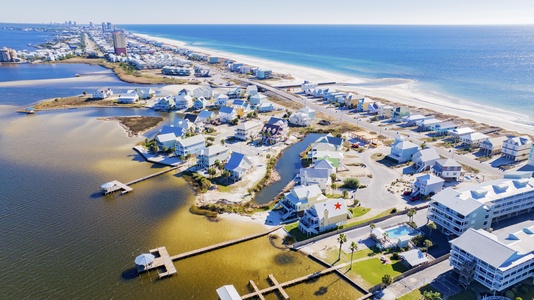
[{"x": 400, "y": 90}]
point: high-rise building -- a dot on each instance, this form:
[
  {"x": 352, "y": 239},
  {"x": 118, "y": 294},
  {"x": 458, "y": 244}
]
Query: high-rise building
[
  {"x": 103, "y": 26},
  {"x": 119, "y": 42}
]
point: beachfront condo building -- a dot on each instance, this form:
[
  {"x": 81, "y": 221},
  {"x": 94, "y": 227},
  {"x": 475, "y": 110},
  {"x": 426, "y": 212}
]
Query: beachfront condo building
[
  {"x": 456, "y": 211},
  {"x": 497, "y": 262},
  {"x": 119, "y": 43}
]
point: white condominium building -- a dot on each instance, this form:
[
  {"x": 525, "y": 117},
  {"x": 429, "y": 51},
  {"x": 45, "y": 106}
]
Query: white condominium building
[
  {"x": 497, "y": 262},
  {"x": 455, "y": 211}
]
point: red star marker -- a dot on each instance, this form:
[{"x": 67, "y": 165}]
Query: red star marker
[{"x": 337, "y": 205}]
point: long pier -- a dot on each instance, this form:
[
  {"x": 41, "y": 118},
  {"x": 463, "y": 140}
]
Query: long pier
[
  {"x": 125, "y": 187},
  {"x": 279, "y": 287},
  {"x": 164, "y": 261}
]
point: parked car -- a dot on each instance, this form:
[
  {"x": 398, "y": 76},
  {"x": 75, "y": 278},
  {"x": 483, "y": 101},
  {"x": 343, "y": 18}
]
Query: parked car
[
  {"x": 355, "y": 146},
  {"x": 414, "y": 198},
  {"x": 407, "y": 193}
]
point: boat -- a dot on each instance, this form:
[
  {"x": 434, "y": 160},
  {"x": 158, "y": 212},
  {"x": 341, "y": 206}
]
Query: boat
[{"x": 29, "y": 110}]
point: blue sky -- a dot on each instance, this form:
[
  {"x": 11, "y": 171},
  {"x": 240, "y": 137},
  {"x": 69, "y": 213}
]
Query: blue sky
[{"x": 272, "y": 12}]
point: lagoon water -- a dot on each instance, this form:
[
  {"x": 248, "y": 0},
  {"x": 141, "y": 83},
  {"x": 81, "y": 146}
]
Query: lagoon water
[{"x": 60, "y": 239}]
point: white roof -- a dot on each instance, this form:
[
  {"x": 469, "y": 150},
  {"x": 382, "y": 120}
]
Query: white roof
[
  {"x": 306, "y": 191},
  {"x": 248, "y": 125},
  {"x": 211, "y": 150},
  {"x": 474, "y": 136},
  {"x": 414, "y": 257},
  {"x": 167, "y": 137},
  {"x": 461, "y": 131},
  {"x": 335, "y": 208},
  {"x": 228, "y": 292},
  {"x": 192, "y": 140}
]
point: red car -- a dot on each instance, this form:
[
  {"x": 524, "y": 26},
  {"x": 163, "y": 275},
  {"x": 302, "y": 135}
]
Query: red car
[{"x": 414, "y": 198}]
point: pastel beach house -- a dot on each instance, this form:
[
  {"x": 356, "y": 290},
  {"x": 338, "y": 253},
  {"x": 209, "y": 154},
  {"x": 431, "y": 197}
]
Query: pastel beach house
[
  {"x": 184, "y": 99},
  {"x": 207, "y": 157},
  {"x": 401, "y": 150},
  {"x": 298, "y": 200},
  {"x": 257, "y": 99},
  {"x": 102, "y": 93},
  {"x": 129, "y": 97},
  {"x": 424, "y": 159},
  {"x": 191, "y": 145},
  {"x": 311, "y": 176},
  {"x": 238, "y": 165},
  {"x": 227, "y": 114},
  {"x": 492, "y": 146},
  {"x": 325, "y": 216},
  {"x": 448, "y": 170},
  {"x": 246, "y": 130},
  {"x": 165, "y": 103},
  {"x": 426, "y": 185},
  {"x": 145, "y": 93},
  {"x": 516, "y": 148},
  {"x": 221, "y": 100}
]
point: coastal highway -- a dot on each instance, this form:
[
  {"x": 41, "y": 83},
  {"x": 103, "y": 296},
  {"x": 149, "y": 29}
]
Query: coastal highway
[{"x": 343, "y": 116}]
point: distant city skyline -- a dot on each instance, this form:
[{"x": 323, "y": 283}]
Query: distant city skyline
[{"x": 454, "y": 12}]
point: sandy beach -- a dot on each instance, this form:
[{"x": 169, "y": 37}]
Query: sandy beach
[{"x": 403, "y": 91}]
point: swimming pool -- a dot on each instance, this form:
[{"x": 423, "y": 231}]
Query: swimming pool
[{"x": 401, "y": 230}]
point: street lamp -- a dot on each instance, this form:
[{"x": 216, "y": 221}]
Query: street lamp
[{"x": 452, "y": 150}]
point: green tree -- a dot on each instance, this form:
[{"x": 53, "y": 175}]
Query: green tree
[
  {"x": 212, "y": 172},
  {"x": 223, "y": 142},
  {"x": 333, "y": 186},
  {"x": 411, "y": 213},
  {"x": 226, "y": 174},
  {"x": 345, "y": 194},
  {"x": 353, "y": 247},
  {"x": 351, "y": 183},
  {"x": 372, "y": 226},
  {"x": 387, "y": 279},
  {"x": 431, "y": 226},
  {"x": 333, "y": 176},
  {"x": 342, "y": 238},
  {"x": 430, "y": 295}
]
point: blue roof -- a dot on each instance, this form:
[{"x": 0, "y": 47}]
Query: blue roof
[
  {"x": 238, "y": 102},
  {"x": 273, "y": 120},
  {"x": 334, "y": 140},
  {"x": 226, "y": 110},
  {"x": 234, "y": 161},
  {"x": 205, "y": 114},
  {"x": 178, "y": 131}
]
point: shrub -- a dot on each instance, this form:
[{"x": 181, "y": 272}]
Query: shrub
[
  {"x": 395, "y": 256},
  {"x": 351, "y": 183},
  {"x": 394, "y": 210},
  {"x": 509, "y": 294}
]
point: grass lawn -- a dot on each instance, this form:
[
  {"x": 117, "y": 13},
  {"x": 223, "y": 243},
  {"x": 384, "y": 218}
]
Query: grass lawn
[
  {"x": 463, "y": 295},
  {"x": 359, "y": 211},
  {"x": 382, "y": 214},
  {"x": 417, "y": 294},
  {"x": 372, "y": 270},
  {"x": 224, "y": 189}
]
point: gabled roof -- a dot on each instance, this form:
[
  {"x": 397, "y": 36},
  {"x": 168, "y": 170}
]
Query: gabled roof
[
  {"x": 314, "y": 173},
  {"x": 238, "y": 161},
  {"x": 213, "y": 150},
  {"x": 204, "y": 114},
  {"x": 335, "y": 208},
  {"x": 238, "y": 102},
  {"x": 248, "y": 125},
  {"x": 446, "y": 125},
  {"x": 324, "y": 164},
  {"x": 474, "y": 136},
  {"x": 222, "y": 96},
  {"x": 484, "y": 246},
  {"x": 167, "y": 137},
  {"x": 495, "y": 141},
  {"x": 414, "y": 257},
  {"x": 306, "y": 191},
  {"x": 228, "y": 292},
  {"x": 274, "y": 120},
  {"x": 226, "y": 110},
  {"x": 425, "y": 155},
  {"x": 192, "y": 140},
  {"x": 191, "y": 117},
  {"x": 178, "y": 131},
  {"x": 518, "y": 140},
  {"x": 403, "y": 145},
  {"x": 429, "y": 179},
  {"x": 447, "y": 162}
]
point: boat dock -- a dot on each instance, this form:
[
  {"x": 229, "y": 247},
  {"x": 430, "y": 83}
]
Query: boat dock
[
  {"x": 164, "y": 261},
  {"x": 279, "y": 287},
  {"x": 115, "y": 185}
]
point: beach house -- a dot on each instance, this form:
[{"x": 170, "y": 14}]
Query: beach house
[
  {"x": 424, "y": 159},
  {"x": 478, "y": 206},
  {"x": 307, "y": 87},
  {"x": 401, "y": 150},
  {"x": 448, "y": 170},
  {"x": 203, "y": 91},
  {"x": 325, "y": 216},
  {"x": 251, "y": 90},
  {"x": 413, "y": 258},
  {"x": 247, "y": 130},
  {"x": 427, "y": 124},
  {"x": 363, "y": 104},
  {"x": 205, "y": 116},
  {"x": 443, "y": 128},
  {"x": 498, "y": 262},
  {"x": 129, "y": 97},
  {"x": 320, "y": 177},
  {"x": 191, "y": 145},
  {"x": 492, "y": 146},
  {"x": 456, "y": 133},
  {"x": 165, "y": 103},
  {"x": 516, "y": 148},
  {"x": 241, "y": 106},
  {"x": 257, "y": 99},
  {"x": 374, "y": 108},
  {"x": 412, "y": 119},
  {"x": 298, "y": 200},
  {"x": 300, "y": 119},
  {"x": 531, "y": 156},
  {"x": 238, "y": 165},
  {"x": 274, "y": 131},
  {"x": 427, "y": 184},
  {"x": 145, "y": 93},
  {"x": 327, "y": 142},
  {"x": 334, "y": 157},
  {"x": 207, "y": 157},
  {"x": 385, "y": 111},
  {"x": 102, "y": 93},
  {"x": 221, "y": 100},
  {"x": 399, "y": 113},
  {"x": 235, "y": 93},
  {"x": 473, "y": 139},
  {"x": 199, "y": 103},
  {"x": 325, "y": 165},
  {"x": 227, "y": 114},
  {"x": 263, "y": 73},
  {"x": 184, "y": 99},
  {"x": 166, "y": 141},
  {"x": 265, "y": 107}
]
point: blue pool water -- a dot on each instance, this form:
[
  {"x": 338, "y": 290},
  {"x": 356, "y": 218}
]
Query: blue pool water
[{"x": 401, "y": 230}]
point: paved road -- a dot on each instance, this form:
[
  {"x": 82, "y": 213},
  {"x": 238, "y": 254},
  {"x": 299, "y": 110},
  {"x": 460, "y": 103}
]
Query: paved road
[{"x": 385, "y": 128}]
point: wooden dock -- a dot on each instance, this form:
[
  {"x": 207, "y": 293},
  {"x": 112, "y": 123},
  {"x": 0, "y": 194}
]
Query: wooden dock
[
  {"x": 164, "y": 261},
  {"x": 279, "y": 287},
  {"x": 125, "y": 187}
]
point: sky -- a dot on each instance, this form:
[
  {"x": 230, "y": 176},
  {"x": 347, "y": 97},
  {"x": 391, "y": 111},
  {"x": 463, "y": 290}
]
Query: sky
[{"x": 432, "y": 12}]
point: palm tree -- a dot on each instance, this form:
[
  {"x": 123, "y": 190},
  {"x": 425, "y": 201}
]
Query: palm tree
[
  {"x": 353, "y": 247},
  {"x": 431, "y": 226},
  {"x": 430, "y": 295},
  {"x": 211, "y": 172},
  {"x": 386, "y": 236},
  {"x": 341, "y": 239},
  {"x": 411, "y": 213},
  {"x": 387, "y": 279},
  {"x": 345, "y": 194},
  {"x": 372, "y": 226}
]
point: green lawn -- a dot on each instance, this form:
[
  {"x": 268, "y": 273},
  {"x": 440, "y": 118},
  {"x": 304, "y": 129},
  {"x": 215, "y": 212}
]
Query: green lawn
[
  {"x": 372, "y": 270},
  {"x": 359, "y": 211},
  {"x": 417, "y": 294}
]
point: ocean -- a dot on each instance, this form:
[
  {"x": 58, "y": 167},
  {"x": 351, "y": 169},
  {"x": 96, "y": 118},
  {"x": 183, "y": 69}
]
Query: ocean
[{"x": 488, "y": 65}]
